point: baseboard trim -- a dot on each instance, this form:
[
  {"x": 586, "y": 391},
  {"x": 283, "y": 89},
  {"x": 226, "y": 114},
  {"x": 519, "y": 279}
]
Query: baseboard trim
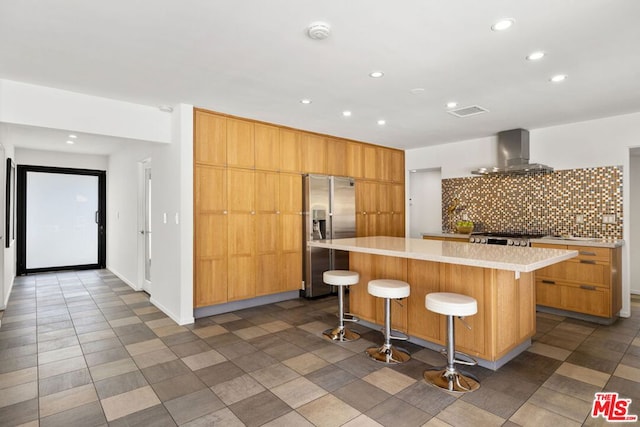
[
  {"x": 165, "y": 310},
  {"x": 124, "y": 279},
  {"x": 212, "y": 310}
]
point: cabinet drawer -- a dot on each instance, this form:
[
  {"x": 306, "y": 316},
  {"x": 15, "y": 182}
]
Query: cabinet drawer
[
  {"x": 589, "y": 253},
  {"x": 548, "y": 293},
  {"x": 586, "y": 299},
  {"x": 595, "y": 273}
]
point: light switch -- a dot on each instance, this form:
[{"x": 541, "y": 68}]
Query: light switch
[
  {"x": 164, "y": 218},
  {"x": 177, "y": 219}
]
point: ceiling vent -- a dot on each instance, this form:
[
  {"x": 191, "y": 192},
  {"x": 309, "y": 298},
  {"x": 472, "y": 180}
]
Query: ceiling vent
[{"x": 468, "y": 111}]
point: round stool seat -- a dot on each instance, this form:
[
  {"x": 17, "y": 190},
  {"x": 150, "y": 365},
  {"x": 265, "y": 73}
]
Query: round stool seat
[
  {"x": 340, "y": 277},
  {"x": 387, "y": 288},
  {"x": 451, "y": 304}
]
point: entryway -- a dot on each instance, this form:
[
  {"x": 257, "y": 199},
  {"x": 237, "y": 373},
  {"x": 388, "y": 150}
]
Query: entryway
[{"x": 61, "y": 219}]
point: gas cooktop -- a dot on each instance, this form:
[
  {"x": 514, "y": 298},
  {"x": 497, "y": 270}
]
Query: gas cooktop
[{"x": 507, "y": 238}]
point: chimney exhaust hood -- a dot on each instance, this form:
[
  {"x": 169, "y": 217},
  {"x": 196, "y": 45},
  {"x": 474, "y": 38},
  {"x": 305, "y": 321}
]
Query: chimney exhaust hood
[{"x": 513, "y": 156}]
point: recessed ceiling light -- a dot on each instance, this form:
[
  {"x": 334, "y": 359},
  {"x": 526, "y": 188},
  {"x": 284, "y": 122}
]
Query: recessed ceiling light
[
  {"x": 382, "y": 122},
  {"x": 72, "y": 136},
  {"x": 503, "y": 24},
  {"x": 558, "y": 78},
  {"x": 376, "y": 74},
  {"x": 534, "y": 56},
  {"x": 452, "y": 104},
  {"x": 346, "y": 113},
  {"x": 70, "y": 142},
  {"x": 305, "y": 101}
]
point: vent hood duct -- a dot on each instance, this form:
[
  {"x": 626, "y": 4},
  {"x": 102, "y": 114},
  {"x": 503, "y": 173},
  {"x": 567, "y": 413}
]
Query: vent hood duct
[{"x": 513, "y": 156}]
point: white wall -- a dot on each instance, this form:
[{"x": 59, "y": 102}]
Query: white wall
[
  {"x": 172, "y": 243},
  {"x": 122, "y": 211},
  {"x": 32, "y": 105},
  {"x": 26, "y": 156},
  {"x": 603, "y": 142},
  {"x": 633, "y": 221},
  {"x": 8, "y": 262}
]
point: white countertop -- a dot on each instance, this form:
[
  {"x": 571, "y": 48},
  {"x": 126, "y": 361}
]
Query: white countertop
[
  {"x": 569, "y": 241},
  {"x": 486, "y": 256}
]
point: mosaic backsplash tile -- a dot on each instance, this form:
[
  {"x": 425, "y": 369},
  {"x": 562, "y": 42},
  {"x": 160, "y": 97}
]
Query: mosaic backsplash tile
[{"x": 546, "y": 204}]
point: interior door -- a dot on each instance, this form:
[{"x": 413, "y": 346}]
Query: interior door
[
  {"x": 146, "y": 226},
  {"x": 61, "y": 219}
]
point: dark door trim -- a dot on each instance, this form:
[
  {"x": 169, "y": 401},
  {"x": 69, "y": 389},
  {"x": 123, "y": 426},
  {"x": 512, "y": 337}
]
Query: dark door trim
[{"x": 22, "y": 218}]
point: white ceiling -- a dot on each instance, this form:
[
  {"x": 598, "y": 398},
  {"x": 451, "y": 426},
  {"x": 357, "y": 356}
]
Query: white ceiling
[{"x": 252, "y": 58}]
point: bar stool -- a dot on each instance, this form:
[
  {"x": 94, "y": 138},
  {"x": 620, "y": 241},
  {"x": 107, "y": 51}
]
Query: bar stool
[
  {"x": 449, "y": 378},
  {"x": 341, "y": 278},
  {"x": 388, "y": 289}
]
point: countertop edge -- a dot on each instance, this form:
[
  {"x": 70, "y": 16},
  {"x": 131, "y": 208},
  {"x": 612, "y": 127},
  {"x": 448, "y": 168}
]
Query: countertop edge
[{"x": 568, "y": 254}]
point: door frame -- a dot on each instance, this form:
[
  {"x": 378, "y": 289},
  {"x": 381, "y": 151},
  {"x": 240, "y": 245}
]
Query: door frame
[
  {"x": 143, "y": 166},
  {"x": 21, "y": 193}
]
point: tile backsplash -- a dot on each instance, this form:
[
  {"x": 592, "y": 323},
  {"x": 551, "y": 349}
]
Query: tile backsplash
[{"x": 552, "y": 204}]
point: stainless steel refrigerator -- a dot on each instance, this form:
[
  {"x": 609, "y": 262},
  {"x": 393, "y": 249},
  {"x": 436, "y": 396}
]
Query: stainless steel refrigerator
[{"x": 329, "y": 213}]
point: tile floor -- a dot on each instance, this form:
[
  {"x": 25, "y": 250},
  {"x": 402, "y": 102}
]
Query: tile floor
[{"x": 83, "y": 349}]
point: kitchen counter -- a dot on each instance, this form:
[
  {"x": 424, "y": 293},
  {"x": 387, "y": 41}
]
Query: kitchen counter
[
  {"x": 485, "y": 256},
  {"x": 569, "y": 241},
  {"x": 500, "y": 278}
]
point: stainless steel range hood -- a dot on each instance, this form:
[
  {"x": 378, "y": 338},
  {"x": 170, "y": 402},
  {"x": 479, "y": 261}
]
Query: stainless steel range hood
[{"x": 513, "y": 156}]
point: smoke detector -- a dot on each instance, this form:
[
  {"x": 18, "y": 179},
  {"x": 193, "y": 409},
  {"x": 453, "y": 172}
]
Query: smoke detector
[{"x": 318, "y": 30}]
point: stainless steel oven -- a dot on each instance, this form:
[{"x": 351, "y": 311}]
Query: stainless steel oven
[{"x": 505, "y": 239}]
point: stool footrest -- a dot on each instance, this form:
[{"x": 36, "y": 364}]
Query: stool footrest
[
  {"x": 468, "y": 360},
  {"x": 348, "y": 317}
]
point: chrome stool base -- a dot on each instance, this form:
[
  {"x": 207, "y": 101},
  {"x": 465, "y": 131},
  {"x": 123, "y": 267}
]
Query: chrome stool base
[
  {"x": 453, "y": 381},
  {"x": 341, "y": 334},
  {"x": 388, "y": 354}
]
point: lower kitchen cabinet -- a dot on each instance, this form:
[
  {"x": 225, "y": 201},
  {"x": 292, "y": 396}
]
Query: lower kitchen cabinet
[{"x": 588, "y": 284}]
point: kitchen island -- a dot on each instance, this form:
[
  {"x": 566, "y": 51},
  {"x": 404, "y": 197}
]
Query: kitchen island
[{"x": 500, "y": 278}]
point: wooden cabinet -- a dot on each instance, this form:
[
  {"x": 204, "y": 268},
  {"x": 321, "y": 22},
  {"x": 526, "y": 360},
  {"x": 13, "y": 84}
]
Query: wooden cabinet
[
  {"x": 505, "y": 317},
  {"x": 337, "y": 157},
  {"x": 248, "y": 201},
  {"x": 379, "y": 209},
  {"x": 354, "y": 159},
  {"x": 210, "y": 135},
  {"x": 314, "y": 153},
  {"x": 588, "y": 284},
  {"x": 240, "y": 143},
  {"x": 371, "y": 308},
  {"x": 210, "y": 227},
  {"x": 290, "y": 151},
  {"x": 241, "y": 275},
  {"x": 267, "y": 147},
  {"x": 290, "y": 234}
]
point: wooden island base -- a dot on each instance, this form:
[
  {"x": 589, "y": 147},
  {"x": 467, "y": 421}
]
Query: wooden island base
[{"x": 502, "y": 328}]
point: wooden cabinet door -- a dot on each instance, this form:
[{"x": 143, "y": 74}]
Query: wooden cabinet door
[
  {"x": 424, "y": 277},
  {"x": 586, "y": 299},
  {"x": 397, "y": 210},
  {"x": 548, "y": 293},
  {"x": 210, "y": 285},
  {"x": 337, "y": 157},
  {"x": 370, "y": 162},
  {"x": 290, "y": 231},
  {"x": 241, "y": 252},
  {"x": 267, "y": 147},
  {"x": 240, "y": 190},
  {"x": 354, "y": 159},
  {"x": 210, "y": 139},
  {"x": 290, "y": 151},
  {"x": 396, "y": 269},
  {"x": 267, "y": 231},
  {"x": 210, "y": 229},
  {"x": 240, "y": 144},
  {"x": 466, "y": 280},
  {"x": 314, "y": 154},
  {"x": 397, "y": 173}
]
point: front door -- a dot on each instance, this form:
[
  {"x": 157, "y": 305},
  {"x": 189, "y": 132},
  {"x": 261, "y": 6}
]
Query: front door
[{"x": 61, "y": 219}]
